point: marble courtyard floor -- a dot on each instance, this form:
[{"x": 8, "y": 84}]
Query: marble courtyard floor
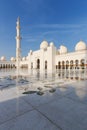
[{"x": 63, "y": 109}]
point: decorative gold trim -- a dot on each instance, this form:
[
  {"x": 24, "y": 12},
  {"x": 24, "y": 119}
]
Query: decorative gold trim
[
  {"x": 18, "y": 37},
  {"x": 18, "y": 27}
]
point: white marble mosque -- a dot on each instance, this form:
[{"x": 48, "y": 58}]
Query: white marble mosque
[
  {"x": 31, "y": 100},
  {"x": 48, "y": 57}
]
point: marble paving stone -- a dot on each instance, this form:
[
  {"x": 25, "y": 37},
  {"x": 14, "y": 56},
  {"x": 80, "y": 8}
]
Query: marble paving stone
[
  {"x": 8, "y": 94},
  {"x": 32, "y": 120},
  {"x": 37, "y": 100},
  {"x": 66, "y": 113},
  {"x": 79, "y": 95},
  {"x": 65, "y": 109},
  {"x": 77, "y": 117},
  {"x": 12, "y": 108},
  {"x": 64, "y": 90},
  {"x": 80, "y": 85},
  {"x": 84, "y": 123}
]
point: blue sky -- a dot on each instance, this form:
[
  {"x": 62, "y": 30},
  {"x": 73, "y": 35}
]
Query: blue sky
[{"x": 60, "y": 21}]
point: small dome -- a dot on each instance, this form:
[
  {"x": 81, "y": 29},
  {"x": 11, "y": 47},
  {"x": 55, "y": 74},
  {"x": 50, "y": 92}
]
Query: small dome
[
  {"x": 51, "y": 44},
  {"x": 80, "y": 46},
  {"x": 12, "y": 59},
  {"x": 44, "y": 45},
  {"x": 63, "y": 50},
  {"x": 24, "y": 58},
  {"x": 3, "y": 58}
]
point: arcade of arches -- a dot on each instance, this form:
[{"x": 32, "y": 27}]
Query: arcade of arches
[
  {"x": 24, "y": 66},
  {"x": 77, "y": 64},
  {"x": 2, "y": 66},
  {"x": 38, "y": 64},
  {"x": 65, "y": 64}
]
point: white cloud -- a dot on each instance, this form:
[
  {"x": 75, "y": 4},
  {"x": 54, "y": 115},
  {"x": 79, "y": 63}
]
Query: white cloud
[
  {"x": 58, "y": 26},
  {"x": 31, "y": 40},
  {"x": 50, "y": 31}
]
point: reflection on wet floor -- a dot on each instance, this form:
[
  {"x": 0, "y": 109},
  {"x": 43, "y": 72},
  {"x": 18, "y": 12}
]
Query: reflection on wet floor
[
  {"x": 29, "y": 92},
  {"x": 40, "y": 82},
  {"x": 40, "y": 93}
]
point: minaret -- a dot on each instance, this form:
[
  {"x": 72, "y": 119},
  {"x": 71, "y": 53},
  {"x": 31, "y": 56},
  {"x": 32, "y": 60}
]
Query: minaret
[{"x": 18, "y": 44}]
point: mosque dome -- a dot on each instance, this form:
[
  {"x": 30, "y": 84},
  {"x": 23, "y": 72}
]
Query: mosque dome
[
  {"x": 80, "y": 46},
  {"x": 44, "y": 45},
  {"x": 51, "y": 44},
  {"x": 24, "y": 58},
  {"x": 12, "y": 59},
  {"x": 63, "y": 50},
  {"x": 3, "y": 58}
]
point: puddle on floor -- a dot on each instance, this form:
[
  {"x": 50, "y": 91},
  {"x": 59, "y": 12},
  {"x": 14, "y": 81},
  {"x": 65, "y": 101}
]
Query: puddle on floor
[
  {"x": 29, "y": 92},
  {"x": 34, "y": 78}
]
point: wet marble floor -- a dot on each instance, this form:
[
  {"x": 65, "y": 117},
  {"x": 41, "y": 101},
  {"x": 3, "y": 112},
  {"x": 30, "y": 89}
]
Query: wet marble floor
[{"x": 62, "y": 109}]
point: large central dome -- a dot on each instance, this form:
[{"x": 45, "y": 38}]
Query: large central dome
[
  {"x": 80, "y": 46},
  {"x": 44, "y": 45}
]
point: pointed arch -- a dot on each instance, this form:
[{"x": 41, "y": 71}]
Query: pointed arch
[
  {"x": 38, "y": 63},
  {"x": 46, "y": 64}
]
